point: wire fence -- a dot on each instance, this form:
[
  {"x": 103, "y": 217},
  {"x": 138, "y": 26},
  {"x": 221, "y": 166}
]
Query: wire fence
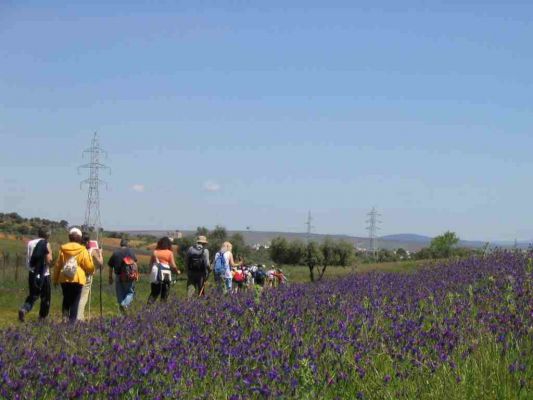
[{"x": 12, "y": 265}]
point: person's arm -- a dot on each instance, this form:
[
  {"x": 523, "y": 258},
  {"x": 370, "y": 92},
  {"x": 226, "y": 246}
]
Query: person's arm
[
  {"x": 48, "y": 254},
  {"x": 206, "y": 260},
  {"x": 96, "y": 254},
  {"x": 173, "y": 264},
  {"x": 110, "y": 278},
  {"x": 232, "y": 263},
  {"x": 87, "y": 263},
  {"x": 111, "y": 261},
  {"x": 57, "y": 268},
  {"x": 110, "y": 264}
]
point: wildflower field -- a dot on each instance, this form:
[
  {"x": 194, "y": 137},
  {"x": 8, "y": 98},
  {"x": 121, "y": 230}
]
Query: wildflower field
[{"x": 460, "y": 330}]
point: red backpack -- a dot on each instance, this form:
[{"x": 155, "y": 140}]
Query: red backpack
[
  {"x": 239, "y": 276},
  {"x": 129, "y": 271}
]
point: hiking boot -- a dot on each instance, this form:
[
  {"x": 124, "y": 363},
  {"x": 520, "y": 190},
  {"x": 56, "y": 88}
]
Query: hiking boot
[{"x": 22, "y": 314}]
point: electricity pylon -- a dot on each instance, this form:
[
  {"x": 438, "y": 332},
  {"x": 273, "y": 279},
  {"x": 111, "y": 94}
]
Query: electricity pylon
[
  {"x": 372, "y": 229},
  {"x": 92, "y": 211},
  {"x": 310, "y": 226}
]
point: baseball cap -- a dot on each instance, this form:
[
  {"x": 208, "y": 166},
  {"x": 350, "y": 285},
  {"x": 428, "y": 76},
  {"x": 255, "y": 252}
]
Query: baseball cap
[{"x": 75, "y": 231}]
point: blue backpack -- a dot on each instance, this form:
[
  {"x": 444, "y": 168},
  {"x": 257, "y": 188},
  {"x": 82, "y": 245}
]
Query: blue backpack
[{"x": 220, "y": 264}]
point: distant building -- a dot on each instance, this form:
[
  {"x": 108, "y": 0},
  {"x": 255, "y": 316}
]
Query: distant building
[{"x": 259, "y": 246}]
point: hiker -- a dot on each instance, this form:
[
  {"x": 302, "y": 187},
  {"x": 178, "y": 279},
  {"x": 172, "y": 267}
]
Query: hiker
[
  {"x": 238, "y": 278},
  {"x": 162, "y": 262},
  {"x": 197, "y": 264},
  {"x": 118, "y": 264},
  {"x": 281, "y": 279},
  {"x": 38, "y": 260},
  {"x": 260, "y": 276},
  {"x": 223, "y": 264},
  {"x": 271, "y": 277},
  {"x": 98, "y": 260},
  {"x": 71, "y": 270}
]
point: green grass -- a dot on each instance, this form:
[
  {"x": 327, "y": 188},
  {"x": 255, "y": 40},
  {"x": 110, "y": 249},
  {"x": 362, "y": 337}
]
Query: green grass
[{"x": 12, "y": 246}]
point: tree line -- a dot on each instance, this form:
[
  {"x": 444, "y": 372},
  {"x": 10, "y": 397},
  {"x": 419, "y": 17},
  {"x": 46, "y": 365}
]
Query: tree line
[
  {"x": 14, "y": 223},
  {"x": 317, "y": 257}
]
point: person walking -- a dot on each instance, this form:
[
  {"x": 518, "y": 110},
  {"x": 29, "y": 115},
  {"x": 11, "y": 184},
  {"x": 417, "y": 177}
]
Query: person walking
[
  {"x": 38, "y": 260},
  {"x": 223, "y": 265},
  {"x": 73, "y": 265},
  {"x": 197, "y": 264},
  {"x": 162, "y": 262},
  {"x": 98, "y": 259},
  {"x": 124, "y": 288}
]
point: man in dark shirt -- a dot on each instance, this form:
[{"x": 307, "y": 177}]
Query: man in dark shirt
[
  {"x": 39, "y": 258},
  {"x": 197, "y": 263},
  {"x": 125, "y": 290}
]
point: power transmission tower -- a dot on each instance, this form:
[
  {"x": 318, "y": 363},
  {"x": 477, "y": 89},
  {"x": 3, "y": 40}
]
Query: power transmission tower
[
  {"x": 92, "y": 211},
  {"x": 310, "y": 226},
  {"x": 372, "y": 229}
]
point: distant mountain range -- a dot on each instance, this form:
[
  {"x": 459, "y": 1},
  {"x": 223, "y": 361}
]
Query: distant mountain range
[{"x": 408, "y": 241}]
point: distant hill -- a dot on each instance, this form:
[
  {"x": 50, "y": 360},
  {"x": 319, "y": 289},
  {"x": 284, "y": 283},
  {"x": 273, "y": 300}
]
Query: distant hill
[
  {"x": 408, "y": 237},
  {"x": 260, "y": 237},
  {"x": 408, "y": 241},
  {"x": 426, "y": 240}
]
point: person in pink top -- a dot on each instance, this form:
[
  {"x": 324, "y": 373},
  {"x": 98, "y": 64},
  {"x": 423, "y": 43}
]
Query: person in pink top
[{"x": 162, "y": 262}]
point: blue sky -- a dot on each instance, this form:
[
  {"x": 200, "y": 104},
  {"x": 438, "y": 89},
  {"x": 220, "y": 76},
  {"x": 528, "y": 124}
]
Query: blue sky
[{"x": 250, "y": 113}]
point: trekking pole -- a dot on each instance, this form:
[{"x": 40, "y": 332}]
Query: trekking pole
[
  {"x": 101, "y": 310},
  {"x": 203, "y": 286},
  {"x": 90, "y": 292}
]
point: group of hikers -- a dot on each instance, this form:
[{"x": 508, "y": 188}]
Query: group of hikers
[{"x": 78, "y": 259}]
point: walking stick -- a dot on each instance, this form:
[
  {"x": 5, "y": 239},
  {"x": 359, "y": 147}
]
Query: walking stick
[
  {"x": 101, "y": 310},
  {"x": 90, "y": 292},
  {"x": 203, "y": 286}
]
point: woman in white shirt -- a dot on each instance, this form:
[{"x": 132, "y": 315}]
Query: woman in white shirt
[{"x": 223, "y": 264}]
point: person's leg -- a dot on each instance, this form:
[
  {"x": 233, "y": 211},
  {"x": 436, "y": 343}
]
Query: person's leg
[
  {"x": 65, "y": 306},
  {"x": 228, "y": 282},
  {"x": 200, "y": 285},
  {"x": 76, "y": 295},
  {"x": 46, "y": 296},
  {"x": 190, "y": 286},
  {"x": 84, "y": 297},
  {"x": 119, "y": 290},
  {"x": 165, "y": 290},
  {"x": 154, "y": 292},
  {"x": 34, "y": 293},
  {"x": 219, "y": 283},
  {"x": 128, "y": 293}
]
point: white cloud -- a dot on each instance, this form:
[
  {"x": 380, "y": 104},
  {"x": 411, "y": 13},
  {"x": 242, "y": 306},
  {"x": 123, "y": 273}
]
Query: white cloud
[
  {"x": 211, "y": 186},
  {"x": 138, "y": 188}
]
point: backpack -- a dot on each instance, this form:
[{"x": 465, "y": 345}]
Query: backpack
[
  {"x": 239, "y": 276},
  {"x": 260, "y": 276},
  {"x": 38, "y": 257},
  {"x": 70, "y": 268},
  {"x": 129, "y": 271},
  {"x": 196, "y": 260},
  {"x": 220, "y": 264}
]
